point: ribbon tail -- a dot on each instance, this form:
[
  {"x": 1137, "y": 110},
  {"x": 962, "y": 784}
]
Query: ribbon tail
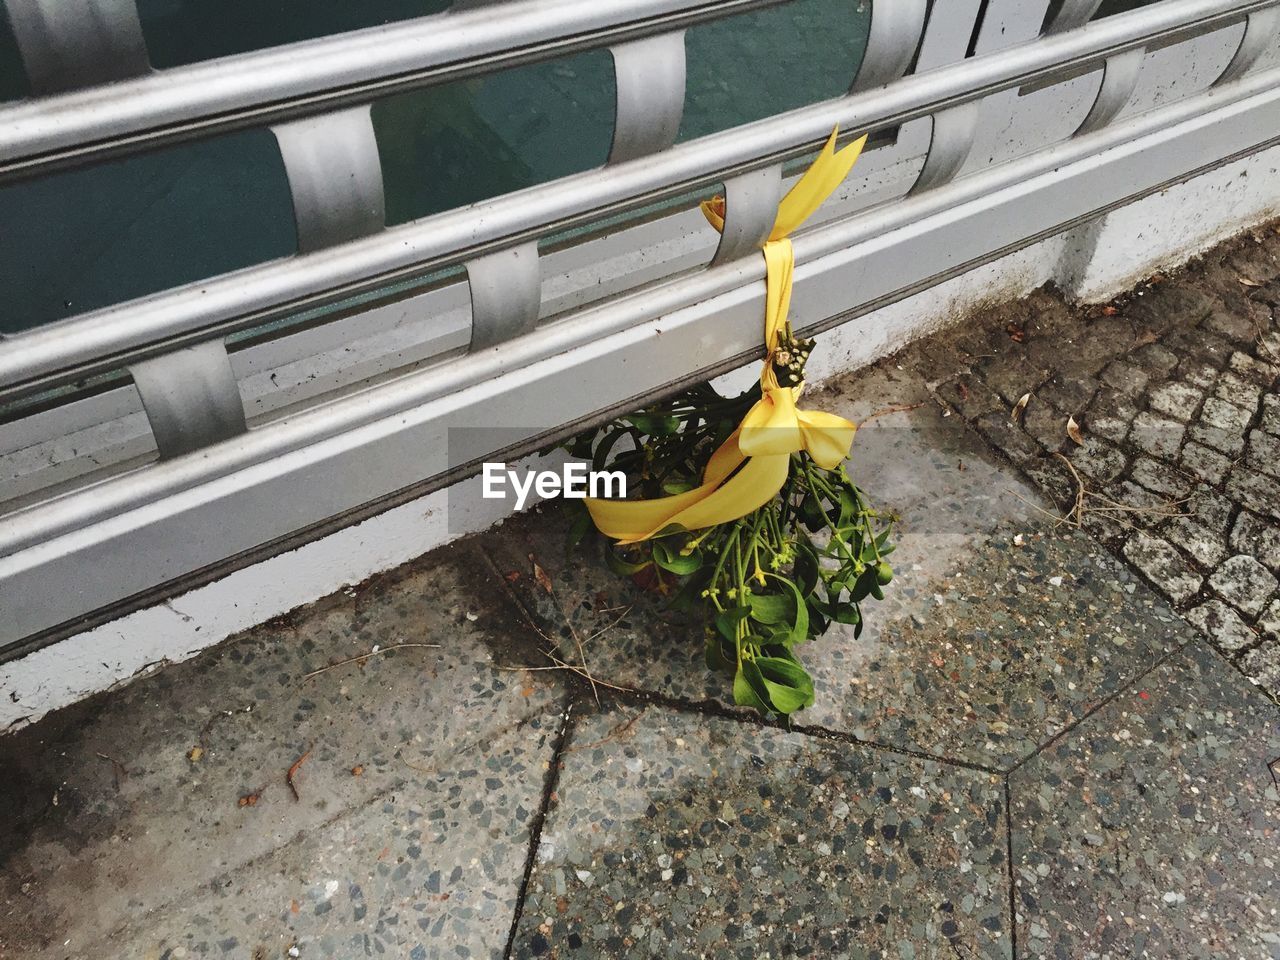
[
  {"x": 827, "y": 437},
  {"x": 630, "y": 521},
  {"x": 818, "y": 183},
  {"x": 749, "y": 489}
]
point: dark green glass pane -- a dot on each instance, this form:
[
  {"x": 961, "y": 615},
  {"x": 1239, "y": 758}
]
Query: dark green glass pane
[
  {"x": 13, "y": 80},
  {"x": 184, "y": 31},
  {"x": 752, "y": 66},
  {"x": 470, "y": 140},
  {"x": 84, "y": 239},
  {"x": 1110, "y": 7}
]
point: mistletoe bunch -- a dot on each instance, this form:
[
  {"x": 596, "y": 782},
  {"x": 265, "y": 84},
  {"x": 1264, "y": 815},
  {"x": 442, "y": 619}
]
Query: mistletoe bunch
[{"x": 768, "y": 581}]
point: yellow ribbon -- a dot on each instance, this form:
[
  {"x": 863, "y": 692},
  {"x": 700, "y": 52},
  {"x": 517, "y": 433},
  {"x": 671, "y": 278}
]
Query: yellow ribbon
[{"x": 751, "y": 466}]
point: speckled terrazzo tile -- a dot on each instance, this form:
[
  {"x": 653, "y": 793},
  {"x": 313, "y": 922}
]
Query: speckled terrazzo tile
[
  {"x": 1153, "y": 829},
  {"x": 997, "y": 631},
  {"x": 430, "y": 869},
  {"x": 1019, "y": 638},
  {"x": 683, "y": 836},
  {"x": 114, "y": 785}
]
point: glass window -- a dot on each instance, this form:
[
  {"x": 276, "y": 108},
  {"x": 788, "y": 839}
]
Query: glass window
[
  {"x": 13, "y": 80},
  {"x": 1110, "y": 7},
  {"x": 83, "y": 239},
  {"x": 461, "y": 142},
  {"x": 127, "y": 228},
  {"x": 754, "y": 65},
  {"x": 184, "y": 31}
]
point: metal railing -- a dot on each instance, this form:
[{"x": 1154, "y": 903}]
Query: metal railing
[
  {"x": 315, "y": 76},
  {"x": 171, "y": 342},
  {"x": 102, "y": 339}
]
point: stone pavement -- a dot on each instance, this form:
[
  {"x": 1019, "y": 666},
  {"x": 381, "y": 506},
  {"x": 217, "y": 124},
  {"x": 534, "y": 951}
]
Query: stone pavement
[
  {"x": 1028, "y": 752},
  {"x": 1176, "y": 390}
]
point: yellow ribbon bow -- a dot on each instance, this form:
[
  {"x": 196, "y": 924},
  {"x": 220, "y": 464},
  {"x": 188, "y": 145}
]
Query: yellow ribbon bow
[{"x": 775, "y": 427}]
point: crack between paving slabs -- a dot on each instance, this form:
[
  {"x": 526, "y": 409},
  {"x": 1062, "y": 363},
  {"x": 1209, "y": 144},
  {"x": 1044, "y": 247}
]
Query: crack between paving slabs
[
  {"x": 540, "y": 818},
  {"x": 715, "y": 708},
  {"x": 1107, "y": 700},
  {"x": 1008, "y": 860}
]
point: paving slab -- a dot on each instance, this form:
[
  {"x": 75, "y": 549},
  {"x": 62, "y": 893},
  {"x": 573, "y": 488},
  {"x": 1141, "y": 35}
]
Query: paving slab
[
  {"x": 674, "y": 835},
  {"x": 1151, "y": 829},
  {"x": 998, "y": 630},
  {"x": 158, "y": 817}
]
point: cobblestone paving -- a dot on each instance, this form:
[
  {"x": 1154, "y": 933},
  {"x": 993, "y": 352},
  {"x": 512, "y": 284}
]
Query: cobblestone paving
[
  {"x": 1027, "y": 753},
  {"x": 1175, "y": 389}
]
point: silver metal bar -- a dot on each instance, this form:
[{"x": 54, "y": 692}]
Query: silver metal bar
[
  {"x": 1260, "y": 32},
  {"x": 68, "y": 44},
  {"x": 897, "y": 27},
  {"x": 506, "y": 292},
  {"x": 316, "y": 76},
  {"x": 330, "y": 460},
  {"x": 953, "y": 133},
  {"x": 1119, "y": 79},
  {"x": 750, "y": 208},
  {"x": 105, "y": 338},
  {"x": 191, "y": 398},
  {"x": 335, "y": 177},
  {"x": 649, "y": 84},
  {"x": 1072, "y": 14},
  {"x": 407, "y": 397}
]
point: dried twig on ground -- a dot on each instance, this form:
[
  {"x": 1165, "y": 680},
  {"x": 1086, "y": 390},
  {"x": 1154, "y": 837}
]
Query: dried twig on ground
[
  {"x": 1077, "y": 508},
  {"x": 1085, "y": 501},
  {"x": 620, "y": 730},
  {"x": 293, "y": 772},
  {"x": 888, "y": 410},
  {"x": 376, "y": 651}
]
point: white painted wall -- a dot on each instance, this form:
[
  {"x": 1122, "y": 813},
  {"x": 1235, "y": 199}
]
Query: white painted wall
[{"x": 1111, "y": 254}]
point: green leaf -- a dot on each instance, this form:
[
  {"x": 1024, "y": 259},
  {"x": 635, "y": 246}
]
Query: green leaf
[
  {"x": 799, "y": 629},
  {"x": 811, "y": 513},
  {"x": 747, "y": 684},
  {"x": 727, "y": 622},
  {"x": 655, "y": 425},
  {"x": 715, "y": 656},
  {"x": 848, "y": 508},
  {"x": 772, "y": 608},
  {"x": 785, "y": 670},
  {"x": 789, "y": 686},
  {"x": 865, "y": 585},
  {"x": 846, "y": 613},
  {"x": 673, "y": 560},
  {"x": 623, "y": 567},
  {"x": 788, "y": 608},
  {"x": 806, "y": 567},
  {"x": 600, "y": 456},
  {"x": 580, "y": 527}
]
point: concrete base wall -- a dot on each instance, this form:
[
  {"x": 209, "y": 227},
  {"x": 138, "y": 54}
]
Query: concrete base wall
[
  {"x": 1090, "y": 262},
  {"x": 1111, "y": 254}
]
